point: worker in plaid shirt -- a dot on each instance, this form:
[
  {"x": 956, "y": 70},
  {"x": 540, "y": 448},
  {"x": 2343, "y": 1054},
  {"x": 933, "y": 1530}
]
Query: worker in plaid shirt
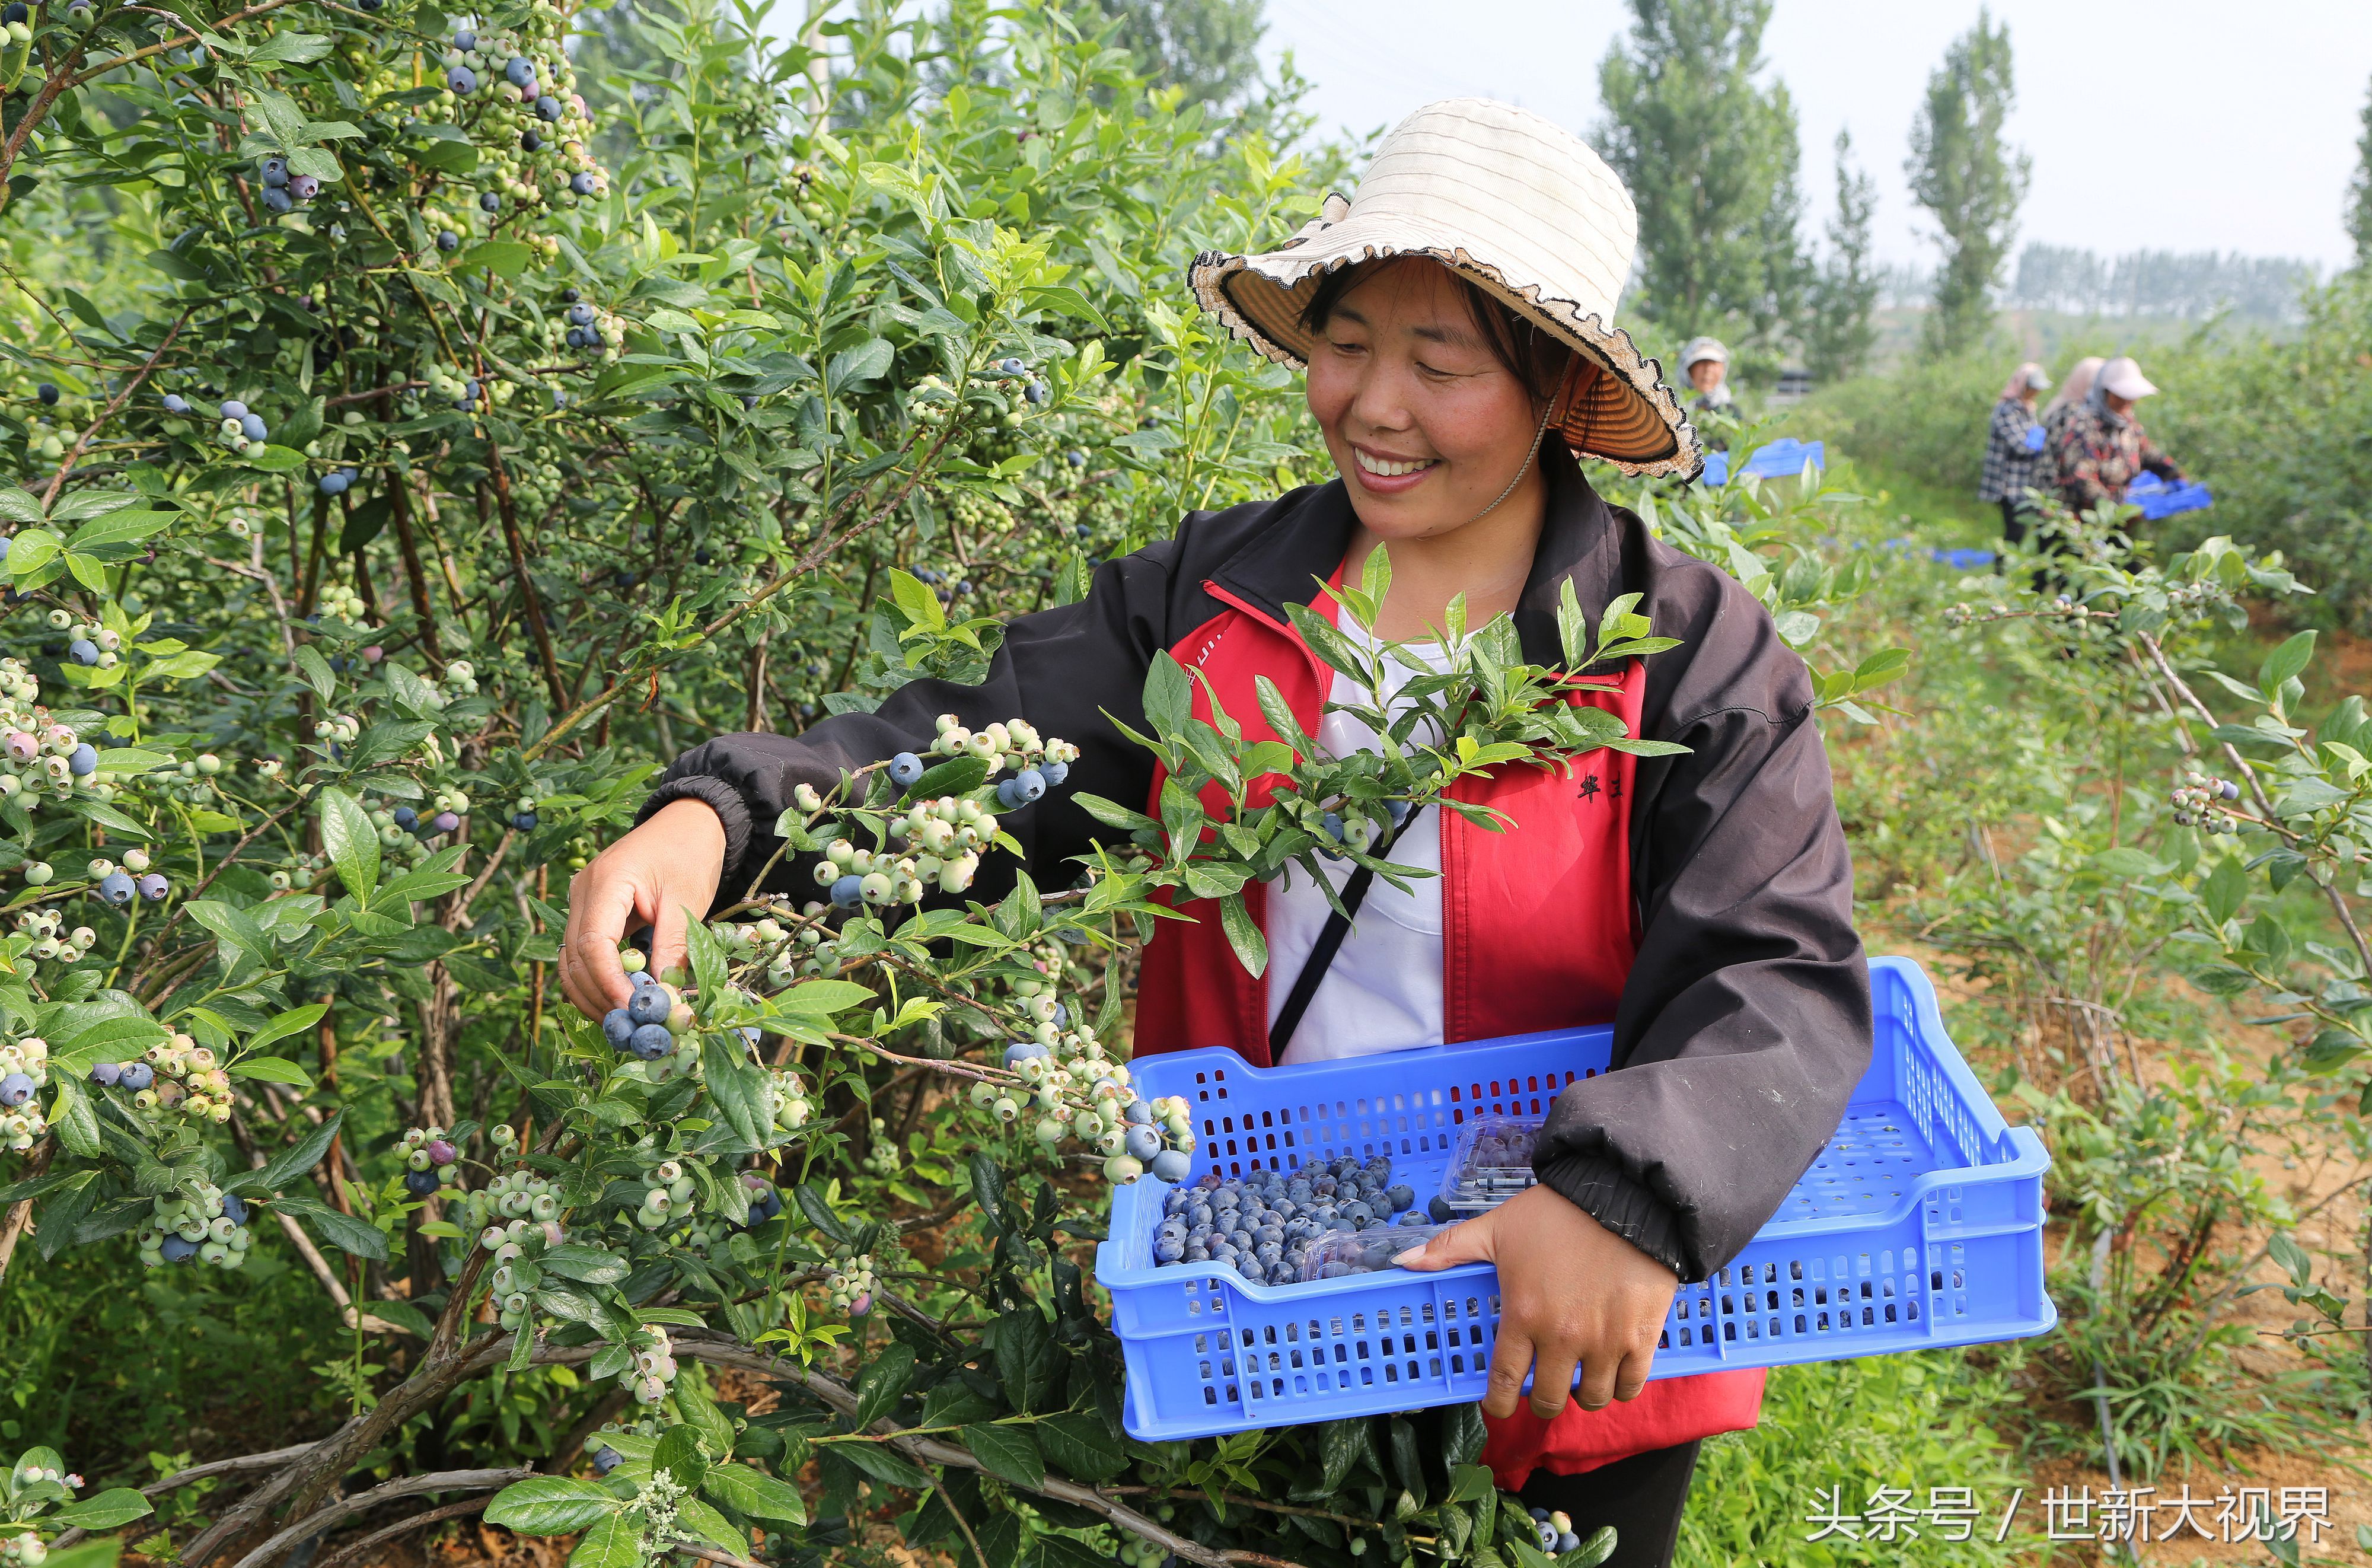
[
  {"x": 2102, "y": 447},
  {"x": 2015, "y": 456}
]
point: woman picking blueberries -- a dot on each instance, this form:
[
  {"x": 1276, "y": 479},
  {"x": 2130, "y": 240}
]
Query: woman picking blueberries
[{"x": 1454, "y": 323}]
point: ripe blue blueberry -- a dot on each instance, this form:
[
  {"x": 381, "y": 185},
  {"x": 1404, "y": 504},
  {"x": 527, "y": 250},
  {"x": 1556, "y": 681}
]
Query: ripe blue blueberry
[
  {"x": 1075, "y": 458},
  {"x": 233, "y": 409},
  {"x": 460, "y": 81},
  {"x": 178, "y": 1249},
  {"x": 448, "y": 240},
  {"x": 1006, "y": 795},
  {"x": 116, "y": 888},
  {"x": 580, "y": 314},
  {"x": 1035, "y": 392},
  {"x": 1401, "y": 1196},
  {"x": 530, "y": 141},
  {"x": 152, "y": 887},
  {"x": 275, "y": 170},
  {"x": 1029, "y": 785},
  {"x": 14, "y": 11},
  {"x": 275, "y": 200},
  {"x": 444, "y": 822},
  {"x": 583, "y": 182},
  {"x": 14, "y": 1090},
  {"x": 523, "y": 821},
  {"x": 1053, "y": 773},
  {"x": 848, "y": 892},
  {"x": 47, "y": 392},
  {"x": 649, "y": 1005},
  {"x": 420, "y": 1183},
  {"x": 82, "y": 650},
  {"x": 547, "y": 107},
  {"x": 137, "y": 1076},
  {"x": 83, "y": 760},
  {"x": 405, "y": 818},
  {"x": 175, "y": 403},
  {"x": 304, "y": 187},
  {"x": 520, "y": 72},
  {"x": 1143, "y": 1143},
  {"x": 464, "y": 40},
  {"x": 651, "y": 1041},
  {"x": 106, "y": 1073},
  {"x": 606, "y": 1459},
  {"x": 904, "y": 769},
  {"x": 490, "y": 203},
  {"x": 253, "y": 427},
  {"x": 617, "y": 1028},
  {"x": 1170, "y": 1165},
  {"x": 333, "y": 483}
]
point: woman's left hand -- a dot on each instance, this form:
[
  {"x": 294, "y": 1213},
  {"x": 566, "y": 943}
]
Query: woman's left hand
[{"x": 1570, "y": 1291}]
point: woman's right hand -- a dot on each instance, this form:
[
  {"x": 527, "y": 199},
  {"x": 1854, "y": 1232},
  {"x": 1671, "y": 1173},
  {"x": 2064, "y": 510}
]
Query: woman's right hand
[{"x": 662, "y": 874}]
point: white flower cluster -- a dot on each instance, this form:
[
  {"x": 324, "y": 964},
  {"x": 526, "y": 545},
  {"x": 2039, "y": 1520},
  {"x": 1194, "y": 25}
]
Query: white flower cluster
[
  {"x": 24, "y": 1067},
  {"x": 203, "y": 1221},
  {"x": 851, "y": 1283}
]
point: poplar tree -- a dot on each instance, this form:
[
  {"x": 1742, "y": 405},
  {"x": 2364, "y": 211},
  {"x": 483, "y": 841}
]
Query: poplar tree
[{"x": 1969, "y": 180}]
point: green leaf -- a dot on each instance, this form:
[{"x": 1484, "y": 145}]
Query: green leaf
[
  {"x": 318, "y": 162},
  {"x": 755, "y": 1493},
  {"x": 293, "y": 1163},
  {"x": 30, "y": 550},
  {"x": 550, "y": 1505},
  {"x": 1081, "y": 1448},
  {"x": 296, "y": 1021},
  {"x": 957, "y": 775},
  {"x": 1007, "y": 1452},
  {"x": 1168, "y": 695},
  {"x": 701, "y": 1413},
  {"x": 2285, "y": 663},
  {"x": 315, "y": 671},
  {"x": 588, "y": 1265},
  {"x": 863, "y": 363},
  {"x": 611, "y": 1542},
  {"x": 274, "y": 460},
  {"x": 504, "y": 258},
  {"x": 711, "y": 1526},
  {"x": 883, "y": 1464},
  {"x": 271, "y": 1069},
  {"x": 1243, "y": 934},
  {"x": 104, "y": 1511},
  {"x": 350, "y": 840},
  {"x": 678, "y": 1453},
  {"x": 340, "y": 1230},
  {"x": 818, "y": 998},
  {"x": 883, "y": 1384}
]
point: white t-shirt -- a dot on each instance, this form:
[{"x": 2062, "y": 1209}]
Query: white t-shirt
[{"x": 1383, "y": 991}]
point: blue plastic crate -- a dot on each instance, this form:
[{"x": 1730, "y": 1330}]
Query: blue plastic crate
[
  {"x": 1919, "y": 1226},
  {"x": 2157, "y": 499}
]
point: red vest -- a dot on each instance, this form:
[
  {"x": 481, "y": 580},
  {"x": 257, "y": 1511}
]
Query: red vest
[{"x": 1537, "y": 933}]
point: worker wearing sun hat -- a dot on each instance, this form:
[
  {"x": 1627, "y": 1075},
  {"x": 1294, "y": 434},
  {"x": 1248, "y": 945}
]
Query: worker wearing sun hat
[
  {"x": 1707, "y": 364},
  {"x": 1455, "y": 321},
  {"x": 2102, "y": 446}
]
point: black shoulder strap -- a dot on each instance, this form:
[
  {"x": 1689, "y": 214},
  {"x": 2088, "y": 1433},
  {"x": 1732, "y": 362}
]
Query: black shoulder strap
[{"x": 1330, "y": 942}]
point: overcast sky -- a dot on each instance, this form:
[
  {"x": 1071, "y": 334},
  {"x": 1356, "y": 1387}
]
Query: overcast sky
[{"x": 2174, "y": 124}]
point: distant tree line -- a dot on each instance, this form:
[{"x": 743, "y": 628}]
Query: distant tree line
[{"x": 2189, "y": 284}]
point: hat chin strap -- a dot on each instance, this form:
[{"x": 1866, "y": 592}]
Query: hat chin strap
[{"x": 1547, "y": 416}]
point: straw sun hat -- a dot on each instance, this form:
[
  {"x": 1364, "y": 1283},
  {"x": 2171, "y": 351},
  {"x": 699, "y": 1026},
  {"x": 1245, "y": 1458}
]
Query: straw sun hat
[{"x": 1516, "y": 204}]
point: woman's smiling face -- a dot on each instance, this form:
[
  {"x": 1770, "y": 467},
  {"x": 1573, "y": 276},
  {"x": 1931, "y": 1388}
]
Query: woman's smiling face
[{"x": 1425, "y": 424}]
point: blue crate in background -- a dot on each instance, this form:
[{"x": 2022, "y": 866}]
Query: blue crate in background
[
  {"x": 2157, "y": 499},
  {"x": 1783, "y": 458},
  {"x": 1919, "y": 1226}
]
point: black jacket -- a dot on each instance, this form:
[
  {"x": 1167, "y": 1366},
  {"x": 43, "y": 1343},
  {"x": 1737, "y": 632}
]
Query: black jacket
[{"x": 1745, "y": 1020}]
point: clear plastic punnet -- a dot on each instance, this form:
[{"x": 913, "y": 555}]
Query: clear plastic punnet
[
  {"x": 1340, "y": 1254},
  {"x": 1492, "y": 1163}
]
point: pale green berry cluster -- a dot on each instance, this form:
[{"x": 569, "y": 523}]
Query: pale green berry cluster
[
  {"x": 931, "y": 401},
  {"x": 653, "y": 1369},
  {"x": 1014, "y": 744},
  {"x": 882, "y": 1159},
  {"x": 40, "y": 759},
  {"x": 105, "y": 649},
  {"x": 343, "y": 603},
  {"x": 24, "y": 1552},
  {"x": 341, "y": 728},
  {"x": 190, "y": 780},
  {"x": 201, "y": 1216},
  {"x": 23, "y": 1066},
  {"x": 851, "y": 1283},
  {"x": 792, "y": 1108},
  {"x": 189, "y": 1080}
]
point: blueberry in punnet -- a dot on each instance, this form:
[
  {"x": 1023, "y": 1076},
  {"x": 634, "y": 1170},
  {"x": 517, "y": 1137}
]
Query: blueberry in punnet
[
  {"x": 904, "y": 769},
  {"x": 651, "y": 1041},
  {"x": 617, "y": 1028},
  {"x": 116, "y": 888},
  {"x": 82, "y": 650},
  {"x": 137, "y": 1076},
  {"x": 405, "y": 818},
  {"x": 420, "y": 1183},
  {"x": 178, "y": 1249},
  {"x": 16, "y": 1089}
]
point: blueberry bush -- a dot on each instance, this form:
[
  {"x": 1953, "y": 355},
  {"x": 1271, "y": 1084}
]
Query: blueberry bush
[{"x": 440, "y": 418}]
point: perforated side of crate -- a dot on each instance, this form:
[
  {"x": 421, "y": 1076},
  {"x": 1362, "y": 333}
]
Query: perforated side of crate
[
  {"x": 1874, "y": 1157},
  {"x": 1327, "y": 1349},
  {"x": 1239, "y": 1135},
  {"x": 1814, "y": 1294}
]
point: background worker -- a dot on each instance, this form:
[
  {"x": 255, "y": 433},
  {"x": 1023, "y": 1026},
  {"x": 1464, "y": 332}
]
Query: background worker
[
  {"x": 2102, "y": 447},
  {"x": 2015, "y": 454}
]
